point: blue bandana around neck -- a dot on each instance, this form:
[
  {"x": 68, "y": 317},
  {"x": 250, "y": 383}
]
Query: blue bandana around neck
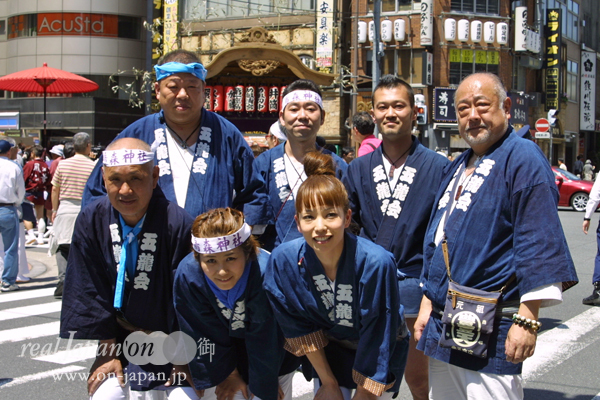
[
  {"x": 170, "y": 68},
  {"x": 229, "y": 297},
  {"x": 129, "y": 252}
]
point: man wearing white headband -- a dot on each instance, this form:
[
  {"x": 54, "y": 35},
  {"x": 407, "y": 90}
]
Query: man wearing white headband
[
  {"x": 280, "y": 172},
  {"x": 119, "y": 276},
  {"x": 203, "y": 160}
]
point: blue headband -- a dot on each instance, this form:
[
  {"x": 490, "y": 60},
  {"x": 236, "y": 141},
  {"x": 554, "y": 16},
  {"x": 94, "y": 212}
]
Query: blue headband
[{"x": 170, "y": 68}]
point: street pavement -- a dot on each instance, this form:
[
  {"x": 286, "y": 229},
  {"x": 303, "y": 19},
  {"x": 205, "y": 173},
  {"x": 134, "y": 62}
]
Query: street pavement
[{"x": 36, "y": 364}]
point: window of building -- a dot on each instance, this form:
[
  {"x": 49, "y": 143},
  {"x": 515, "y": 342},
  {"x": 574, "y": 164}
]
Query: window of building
[
  {"x": 392, "y": 5},
  {"x": 220, "y": 9},
  {"x": 3, "y": 32},
  {"x": 129, "y": 27},
  {"x": 22, "y": 26},
  {"x": 466, "y": 62},
  {"x": 571, "y": 81},
  {"x": 570, "y": 17},
  {"x": 476, "y": 6}
]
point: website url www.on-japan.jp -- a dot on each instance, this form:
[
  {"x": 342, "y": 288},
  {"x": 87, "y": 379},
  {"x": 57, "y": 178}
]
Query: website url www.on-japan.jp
[{"x": 129, "y": 377}]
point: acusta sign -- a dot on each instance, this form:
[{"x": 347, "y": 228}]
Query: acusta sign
[{"x": 77, "y": 24}]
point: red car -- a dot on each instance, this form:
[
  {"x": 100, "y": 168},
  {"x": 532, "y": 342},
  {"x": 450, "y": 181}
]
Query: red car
[{"x": 574, "y": 192}]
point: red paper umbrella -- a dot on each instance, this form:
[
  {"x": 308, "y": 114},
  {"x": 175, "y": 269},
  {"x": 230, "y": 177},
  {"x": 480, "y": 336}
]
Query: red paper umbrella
[{"x": 46, "y": 80}]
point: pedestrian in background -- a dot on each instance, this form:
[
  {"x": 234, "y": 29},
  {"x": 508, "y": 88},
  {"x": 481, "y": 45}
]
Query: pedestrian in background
[
  {"x": 362, "y": 131},
  {"x": 37, "y": 181},
  {"x": 12, "y": 191},
  {"x": 67, "y": 189},
  {"x": 590, "y": 209},
  {"x": 588, "y": 171}
]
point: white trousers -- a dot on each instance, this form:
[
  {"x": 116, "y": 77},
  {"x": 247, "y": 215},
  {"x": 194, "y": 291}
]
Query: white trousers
[
  {"x": 347, "y": 393},
  {"x": 451, "y": 382},
  {"x": 285, "y": 382},
  {"x": 111, "y": 390}
]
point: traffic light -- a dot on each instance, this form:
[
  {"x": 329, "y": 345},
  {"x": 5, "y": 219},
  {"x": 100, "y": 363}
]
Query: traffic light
[{"x": 421, "y": 115}]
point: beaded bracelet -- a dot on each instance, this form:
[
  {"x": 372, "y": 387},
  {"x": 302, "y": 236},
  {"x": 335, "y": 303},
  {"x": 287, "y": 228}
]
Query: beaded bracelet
[{"x": 526, "y": 322}]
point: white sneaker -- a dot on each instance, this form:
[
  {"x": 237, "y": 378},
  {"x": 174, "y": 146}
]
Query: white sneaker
[{"x": 7, "y": 287}]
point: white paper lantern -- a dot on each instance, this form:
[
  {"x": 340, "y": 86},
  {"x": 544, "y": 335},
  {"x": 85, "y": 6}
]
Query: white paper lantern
[
  {"x": 476, "y": 31},
  {"x": 371, "y": 31},
  {"x": 386, "y": 30},
  {"x": 489, "y": 32},
  {"x": 399, "y": 30},
  {"x": 463, "y": 30},
  {"x": 520, "y": 29},
  {"x": 502, "y": 33},
  {"x": 362, "y": 32},
  {"x": 450, "y": 29}
]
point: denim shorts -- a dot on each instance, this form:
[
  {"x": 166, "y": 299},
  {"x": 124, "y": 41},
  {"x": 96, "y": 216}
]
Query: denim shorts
[{"x": 411, "y": 294}]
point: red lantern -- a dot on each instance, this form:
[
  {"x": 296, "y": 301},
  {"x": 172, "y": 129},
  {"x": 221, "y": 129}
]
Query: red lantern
[
  {"x": 218, "y": 98},
  {"x": 229, "y": 98},
  {"x": 250, "y": 99},
  {"x": 208, "y": 98},
  {"x": 238, "y": 98},
  {"x": 281, "y": 95},
  {"x": 273, "y": 99},
  {"x": 262, "y": 98}
]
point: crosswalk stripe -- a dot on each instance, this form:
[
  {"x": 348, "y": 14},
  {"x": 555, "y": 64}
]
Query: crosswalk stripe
[
  {"x": 561, "y": 343},
  {"x": 6, "y": 383},
  {"x": 26, "y": 294},
  {"x": 70, "y": 355},
  {"x": 30, "y": 311},
  {"x": 29, "y": 332}
]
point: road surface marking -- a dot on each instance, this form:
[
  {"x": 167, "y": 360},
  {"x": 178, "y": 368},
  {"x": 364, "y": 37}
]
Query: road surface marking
[
  {"x": 559, "y": 344},
  {"x": 6, "y": 383},
  {"x": 26, "y": 294},
  {"x": 29, "y": 332},
  {"x": 30, "y": 311}
]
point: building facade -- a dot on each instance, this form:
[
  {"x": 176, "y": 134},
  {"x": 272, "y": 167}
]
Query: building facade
[{"x": 92, "y": 38}]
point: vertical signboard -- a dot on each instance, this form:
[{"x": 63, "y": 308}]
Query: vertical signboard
[
  {"x": 519, "y": 109},
  {"x": 552, "y": 62},
  {"x": 443, "y": 100},
  {"x": 426, "y": 23},
  {"x": 325, "y": 36},
  {"x": 587, "y": 109},
  {"x": 427, "y": 68},
  {"x": 170, "y": 17}
]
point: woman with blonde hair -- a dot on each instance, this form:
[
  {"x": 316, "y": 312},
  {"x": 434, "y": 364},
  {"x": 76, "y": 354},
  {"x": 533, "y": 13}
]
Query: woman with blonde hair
[{"x": 335, "y": 295}]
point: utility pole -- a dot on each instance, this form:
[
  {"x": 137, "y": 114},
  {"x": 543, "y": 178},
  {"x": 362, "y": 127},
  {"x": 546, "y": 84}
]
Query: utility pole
[{"x": 376, "y": 42}]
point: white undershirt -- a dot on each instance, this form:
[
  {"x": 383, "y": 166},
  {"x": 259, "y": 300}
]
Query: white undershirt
[
  {"x": 181, "y": 165},
  {"x": 292, "y": 168},
  {"x": 293, "y": 181},
  {"x": 550, "y": 294}
]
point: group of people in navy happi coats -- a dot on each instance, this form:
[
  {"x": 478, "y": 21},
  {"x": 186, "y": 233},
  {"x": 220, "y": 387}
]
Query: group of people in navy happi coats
[{"x": 242, "y": 272}]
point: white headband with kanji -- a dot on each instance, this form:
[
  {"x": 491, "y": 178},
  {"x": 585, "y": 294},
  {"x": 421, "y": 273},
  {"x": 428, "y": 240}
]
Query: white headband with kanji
[
  {"x": 220, "y": 244},
  {"x": 117, "y": 158},
  {"x": 301, "y": 95}
]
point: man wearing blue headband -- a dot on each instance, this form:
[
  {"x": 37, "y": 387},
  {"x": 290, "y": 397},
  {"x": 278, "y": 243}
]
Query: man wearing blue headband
[{"x": 204, "y": 161}]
